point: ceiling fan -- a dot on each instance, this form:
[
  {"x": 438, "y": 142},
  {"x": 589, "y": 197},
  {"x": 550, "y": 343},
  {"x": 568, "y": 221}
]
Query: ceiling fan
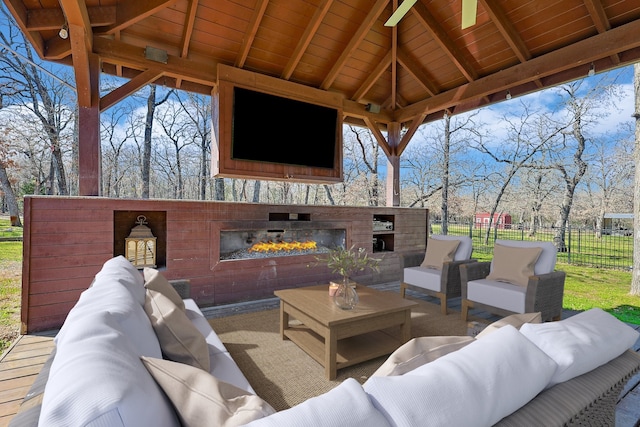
[{"x": 469, "y": 11}]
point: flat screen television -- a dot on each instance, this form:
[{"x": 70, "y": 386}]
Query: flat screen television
[{"x": 262, "y": 135}]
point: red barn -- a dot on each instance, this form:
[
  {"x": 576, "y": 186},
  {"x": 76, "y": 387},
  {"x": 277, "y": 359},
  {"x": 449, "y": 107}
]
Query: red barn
[{"x": 500, "y": 221}]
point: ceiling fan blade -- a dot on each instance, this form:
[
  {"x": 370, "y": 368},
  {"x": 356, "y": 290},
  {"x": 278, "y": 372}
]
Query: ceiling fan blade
[
  {"x": 399, "y": 13},
  {"x": 469, "y": 12}
]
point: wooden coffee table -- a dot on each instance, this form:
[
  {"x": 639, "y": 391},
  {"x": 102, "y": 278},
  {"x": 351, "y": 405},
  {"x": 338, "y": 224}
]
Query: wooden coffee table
[{"x": 336, "y": 338}]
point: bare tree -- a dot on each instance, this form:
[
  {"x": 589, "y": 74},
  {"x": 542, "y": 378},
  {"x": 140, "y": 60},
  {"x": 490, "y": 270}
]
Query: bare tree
[
  {"x": 152, "y": 104},
  {"x": 528, "y": 136},
  {"x": 583, "y": 109}
]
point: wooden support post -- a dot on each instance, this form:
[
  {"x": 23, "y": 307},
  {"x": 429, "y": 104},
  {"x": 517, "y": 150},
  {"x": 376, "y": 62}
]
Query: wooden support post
[{"x": 89, "y": 153}]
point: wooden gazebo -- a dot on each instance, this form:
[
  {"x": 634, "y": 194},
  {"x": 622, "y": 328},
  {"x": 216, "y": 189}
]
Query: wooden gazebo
[
  {"x": 412, "y": 72},
  {"x": 337, "y": 52}
]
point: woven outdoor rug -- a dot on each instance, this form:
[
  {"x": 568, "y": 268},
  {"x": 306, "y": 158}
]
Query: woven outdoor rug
[{"x": 284, "y": 375}]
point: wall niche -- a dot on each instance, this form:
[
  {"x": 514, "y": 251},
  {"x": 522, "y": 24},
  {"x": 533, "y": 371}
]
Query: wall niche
[{"x": 124, "y": 221}]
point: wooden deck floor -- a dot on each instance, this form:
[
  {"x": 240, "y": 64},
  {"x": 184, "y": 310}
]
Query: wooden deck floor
[{"x": 20, "y": 364}]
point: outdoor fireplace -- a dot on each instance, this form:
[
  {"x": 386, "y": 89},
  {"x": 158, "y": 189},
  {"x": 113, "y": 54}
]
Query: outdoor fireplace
[{"x": 258, "y": 240}]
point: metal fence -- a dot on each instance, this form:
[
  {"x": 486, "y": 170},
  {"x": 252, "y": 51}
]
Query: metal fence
[{"x": 583, "y": 246}]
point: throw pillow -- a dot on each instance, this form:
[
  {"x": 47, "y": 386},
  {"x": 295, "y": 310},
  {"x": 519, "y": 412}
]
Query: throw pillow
[
  {"x": 154, "y": 280},
  {"x": 515, "y": 320},
  {"x": 201, "y": 399},
  {"x": 418, "y": 351},
  {"x": 582, "y": 342},
  {"x": 179, "y": 339},
  {"x": 346, "y": 405},
  {"x": 477, "y": 385},
  {"x": 439, "y": 252},
  {"x": 513, "y": 265}
]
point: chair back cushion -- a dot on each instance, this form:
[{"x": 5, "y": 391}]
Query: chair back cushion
[
  {"x": 464, "y": 248},
  {"x": 546, "y": 261}
]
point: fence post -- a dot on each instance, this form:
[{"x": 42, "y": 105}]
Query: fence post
[{"x": 569, "y": 245}]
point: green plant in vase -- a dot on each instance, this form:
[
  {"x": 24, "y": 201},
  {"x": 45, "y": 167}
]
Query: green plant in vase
[{"x": 347, "y": 262}]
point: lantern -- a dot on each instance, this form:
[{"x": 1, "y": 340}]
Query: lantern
[{"x": 140, "y": 246}]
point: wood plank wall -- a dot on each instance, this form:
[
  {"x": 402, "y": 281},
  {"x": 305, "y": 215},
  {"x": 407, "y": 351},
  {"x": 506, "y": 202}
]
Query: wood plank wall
[{"x": 67, "y": 239}]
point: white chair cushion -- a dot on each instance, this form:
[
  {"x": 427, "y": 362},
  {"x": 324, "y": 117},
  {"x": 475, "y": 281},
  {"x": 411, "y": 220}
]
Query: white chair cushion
[
  {"x": 464, "y": 248},
  {"x": 477, "y": 385},
  {"x": 582, "y": 342},
  {"x": 423, "y": 277},
  {"x": 497, "y": 294},
  {"x": 347, "y": 405},
  {"x": 546, "y": 261}
]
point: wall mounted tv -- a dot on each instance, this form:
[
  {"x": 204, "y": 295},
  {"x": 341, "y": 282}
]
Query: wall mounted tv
[{"x": 265, "y": 136}]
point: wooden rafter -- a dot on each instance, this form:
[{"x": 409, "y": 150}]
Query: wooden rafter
[
  {"x": 411, "y": 67},
  {"x": 600, "y": 20},
  {"x": 355, "y": 41},
  {"x": 305, "y": 40},
  {"x": 54, "y": 19},
  {"x": 130, "y": 12},
  {"x": 188, "y": 27},
  {"x": 129, "y": 88},
  {"x": 81, "y": 38},
  {"x": 584, "y": 51},
  {"x": 250, "y": 35},
  {"x": 374, "y": 75},
  {"x": 445, "y": 42}
]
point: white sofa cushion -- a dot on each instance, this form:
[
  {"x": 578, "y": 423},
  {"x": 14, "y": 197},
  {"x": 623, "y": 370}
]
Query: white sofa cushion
[
  {"x": 119, "y": 269},
  {"x": 498, "y": 294},
  {"x": 418, "y": 351},
  {"x": 582, "y": 342},
  {"x": 179, "y": 339},
  {"x": 200, "y": 399},
  {"x": 98, "y": 379},
  {"x": 222, "y": 365},
  {"x": 423, "y": 277},
  {"x": 347, "y": 405},
  {"x": 477, "y": 385}
]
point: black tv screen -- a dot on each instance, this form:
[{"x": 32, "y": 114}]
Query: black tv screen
[{"x": 273, "y": 129}]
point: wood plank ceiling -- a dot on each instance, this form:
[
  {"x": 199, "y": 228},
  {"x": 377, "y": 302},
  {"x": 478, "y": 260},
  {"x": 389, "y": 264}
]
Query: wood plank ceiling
[{"x": 416, "y": 71}]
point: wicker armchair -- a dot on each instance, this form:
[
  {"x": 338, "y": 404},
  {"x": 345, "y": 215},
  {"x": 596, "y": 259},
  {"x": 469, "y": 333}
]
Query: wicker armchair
[
  {"x": 444, "y": 283},
  {"x": 543, "y": 291}
]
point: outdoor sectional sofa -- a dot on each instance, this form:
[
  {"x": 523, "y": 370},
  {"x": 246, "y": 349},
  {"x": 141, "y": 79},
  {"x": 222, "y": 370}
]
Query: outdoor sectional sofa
[{"x": 128, "y": 355}]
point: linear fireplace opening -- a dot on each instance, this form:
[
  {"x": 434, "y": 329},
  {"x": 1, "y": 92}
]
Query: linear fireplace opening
[{"x": 276, "y": 242}]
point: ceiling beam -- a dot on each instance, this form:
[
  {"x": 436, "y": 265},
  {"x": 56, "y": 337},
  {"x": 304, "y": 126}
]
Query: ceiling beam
[
  {"x": 129, "y": 88},
  {"x": 81, "y": 42},
  {"x": 600, "y": 20},
  {"x": 305, "y": 39},
  {"x": 355, "y": 41},
  {"x": 373, "y": 76},
  {"x": 252, "y": 29},
  {"x": 440, "y": 36},
  {"x": 53, "y": 18},
  {"x": 187, "y": 31},
  {"x": 119, "y": 53},
  {"x": 614, "y": 41},
  {"x": 413, "y": 68},
  {"x": 21, "y": 15},
  {"x": 130, "y": 12}
]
